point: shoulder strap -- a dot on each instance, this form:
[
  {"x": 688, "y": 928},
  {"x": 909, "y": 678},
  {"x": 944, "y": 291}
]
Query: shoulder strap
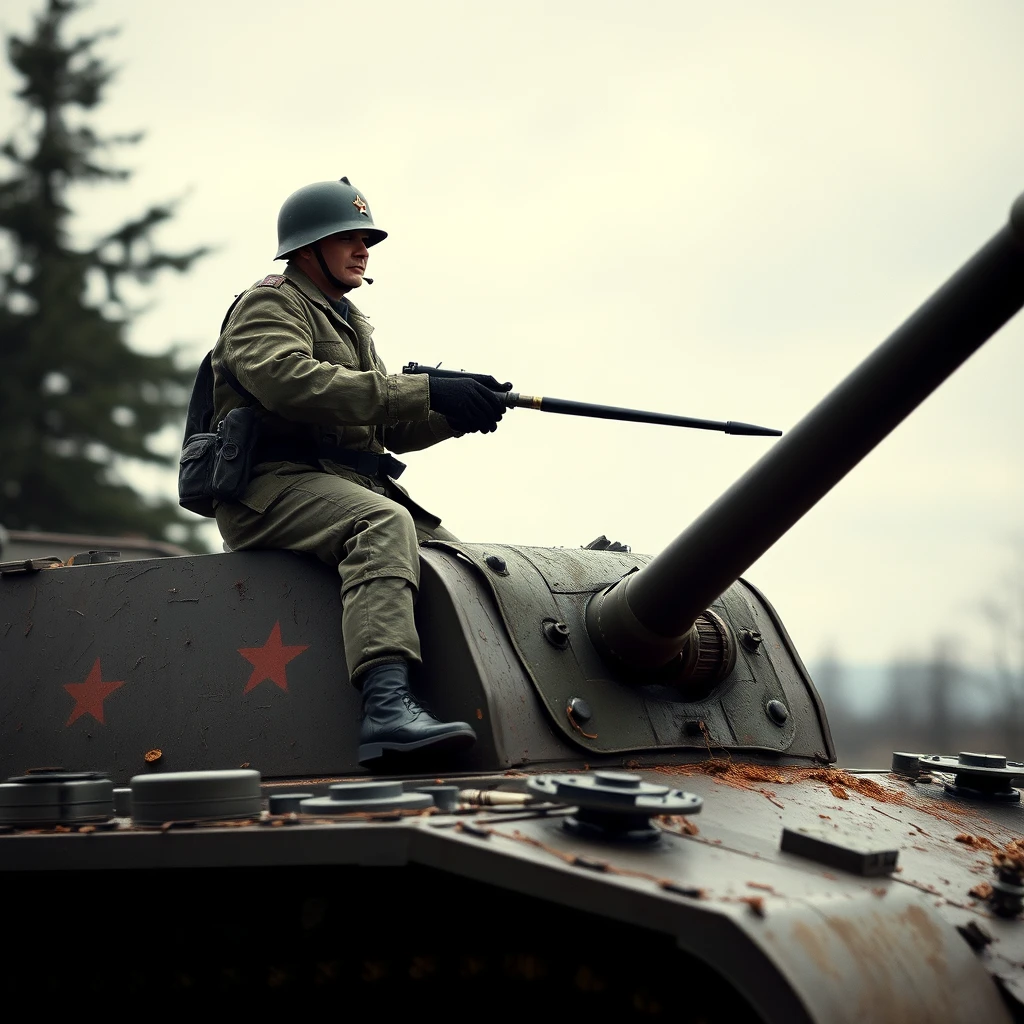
[
  {"x": 236, "y": 383},
  {"x": 200, "y": 404},
  {"x": 231, "y": 309},
  {"x": 225, "y": 372}
]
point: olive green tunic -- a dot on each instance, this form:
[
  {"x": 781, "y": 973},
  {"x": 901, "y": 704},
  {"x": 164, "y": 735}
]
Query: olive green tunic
[{"x": 319, "y": 380}]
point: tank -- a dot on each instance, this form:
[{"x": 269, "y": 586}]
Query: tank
[{"x": 650, "y": 824}]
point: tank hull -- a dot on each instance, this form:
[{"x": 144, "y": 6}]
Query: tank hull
[{"x": 480, "y": 905}]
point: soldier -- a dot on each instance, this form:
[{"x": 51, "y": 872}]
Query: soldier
[{"x": 323, "y": 481}]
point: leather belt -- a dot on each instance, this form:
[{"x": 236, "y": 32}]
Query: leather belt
[{"x": 364, "y": 463}]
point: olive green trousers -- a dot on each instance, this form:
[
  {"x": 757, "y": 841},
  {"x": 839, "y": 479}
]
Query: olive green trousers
[{"x": 372, "y": 539}]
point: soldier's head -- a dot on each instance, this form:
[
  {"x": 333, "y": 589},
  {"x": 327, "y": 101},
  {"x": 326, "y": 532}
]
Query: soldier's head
[{"x": 326, "y": 229}]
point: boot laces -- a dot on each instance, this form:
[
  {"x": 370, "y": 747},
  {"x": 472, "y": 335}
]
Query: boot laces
[{"x": 413, "y": 706}]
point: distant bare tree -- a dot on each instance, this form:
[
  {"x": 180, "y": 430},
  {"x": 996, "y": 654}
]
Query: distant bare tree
[
  {"x": 943, "y": 673},
  {"x": 1004, "y": 612},
  {"x": 831, "y": 682},
  {"x": 902, "y": 701}
]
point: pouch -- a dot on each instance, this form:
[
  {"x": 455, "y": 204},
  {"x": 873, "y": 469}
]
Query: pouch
[
  {"x": 216, "y": 466},
  {"x": 195, "y": 474},
  {"x": 232, "y": 460}
]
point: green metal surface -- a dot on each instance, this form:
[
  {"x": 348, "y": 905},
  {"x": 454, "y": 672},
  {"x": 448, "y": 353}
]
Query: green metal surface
[{"x": 635, "y": 711}]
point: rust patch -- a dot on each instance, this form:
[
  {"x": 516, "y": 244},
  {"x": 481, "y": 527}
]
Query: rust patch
[
  {"x": 929, "y": 939},
  {"x": 982, "y": 891},
  {"x": 748, "y": 776},
  {"x": 692, "y": 891},
  {"x": 977, "y": 842},
  {"x": 576, "y": 725},
  {"x": 151, "y": 756},
  {"x": 868, "y": 950},
  {"x": 812, "y": 945},
  {"x": 680, "y": 823},
  {"x": 756, "y": 904},
  {"x": 889, "y": 816},
  {"x": 839, "y": 782},
  {"x": 1010, "y": 856}
]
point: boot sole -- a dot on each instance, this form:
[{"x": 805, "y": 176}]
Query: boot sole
[{"x": 373, "y": 754}]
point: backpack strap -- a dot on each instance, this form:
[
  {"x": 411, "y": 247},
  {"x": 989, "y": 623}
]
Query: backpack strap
[
  {"x": 233, "y": 381},
  {"x": 225, "y": 372}
]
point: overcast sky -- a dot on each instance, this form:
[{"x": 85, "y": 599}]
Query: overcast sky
[{"x": 715, "y": 210}]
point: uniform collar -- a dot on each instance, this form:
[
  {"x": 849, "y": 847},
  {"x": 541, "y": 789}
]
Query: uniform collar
[{"x": 317, "y": 297}]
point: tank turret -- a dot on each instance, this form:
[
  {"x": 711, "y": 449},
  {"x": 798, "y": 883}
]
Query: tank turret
[{"x": 558, "y": 656}]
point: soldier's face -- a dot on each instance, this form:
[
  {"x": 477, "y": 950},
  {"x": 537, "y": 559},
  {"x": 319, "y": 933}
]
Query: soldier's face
[{"x": 346, "y": 254}]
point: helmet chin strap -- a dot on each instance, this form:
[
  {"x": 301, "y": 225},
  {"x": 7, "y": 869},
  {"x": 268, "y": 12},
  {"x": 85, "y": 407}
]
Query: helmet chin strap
[{"x": 326, "y": 269}]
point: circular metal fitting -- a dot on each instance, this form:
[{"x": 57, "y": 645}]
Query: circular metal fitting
[
  {"x": 123, "y": 802},
  {"x": 777, "y": 711},
  {"x": 446, "y": 798},
  {"x": 714, "y": 652},
  {"x": 1007, "y": 898},
  {"x": 496, "y": 564},
  {"x": 977, "y": 776},
  {"x": 613, "y": 805},
  {"x": 346, "y": 797},
  {"x": 966, "y": 757},
  {"x": 195, "y": 796},
  {"x": 286, "y": 803},
  {"x": 556, "y": 633},
  {"x": 906, "y": 764},
  {"x": 95, "y": 557},
  {"x": 56, "y": 798}
]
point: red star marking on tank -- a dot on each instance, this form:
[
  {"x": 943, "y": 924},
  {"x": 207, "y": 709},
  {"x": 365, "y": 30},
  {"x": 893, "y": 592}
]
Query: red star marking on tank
[
  {"x": 90, "y": 695},
  {"x": 268, "y": 661},
  {"x": 360, "y": 205}
]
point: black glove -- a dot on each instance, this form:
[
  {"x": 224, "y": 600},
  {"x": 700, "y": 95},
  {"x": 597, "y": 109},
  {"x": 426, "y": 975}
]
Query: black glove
[{"x": 467, "y": 405}]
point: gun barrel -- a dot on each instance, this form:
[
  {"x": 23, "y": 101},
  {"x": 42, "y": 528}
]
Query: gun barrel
[
  {"x": 614, "y": 412},
  {"x": 666, "y": 597}
]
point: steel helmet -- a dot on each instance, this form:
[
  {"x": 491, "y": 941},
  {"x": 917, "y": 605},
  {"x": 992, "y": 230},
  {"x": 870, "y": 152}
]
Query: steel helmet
[{"x": 321, "y": 209}]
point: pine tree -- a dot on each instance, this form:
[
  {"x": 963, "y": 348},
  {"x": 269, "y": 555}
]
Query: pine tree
[{"x": 75, "y": 399}]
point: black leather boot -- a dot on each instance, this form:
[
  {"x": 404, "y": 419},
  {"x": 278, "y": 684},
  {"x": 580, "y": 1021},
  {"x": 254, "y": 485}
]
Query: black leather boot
[{"x": 395, "y": 725}]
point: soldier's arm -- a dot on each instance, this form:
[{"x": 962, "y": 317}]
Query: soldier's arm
[
  {"x": 268, "y": 345},
  {"x": 413, "y": 437}
]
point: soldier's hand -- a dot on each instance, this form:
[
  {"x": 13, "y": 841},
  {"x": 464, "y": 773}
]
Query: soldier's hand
[{"x": 467, "y": 405}]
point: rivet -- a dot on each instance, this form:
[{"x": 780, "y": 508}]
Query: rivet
[
  {"x": 777, "y": 711},
  {"x": 751, "y": 639},
  {"x": 556, "y": 633},
  {"x": 580, "y": 709}
]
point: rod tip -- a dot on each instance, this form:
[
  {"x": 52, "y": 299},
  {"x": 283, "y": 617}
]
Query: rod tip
[{"x": 751, "y": 430}]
